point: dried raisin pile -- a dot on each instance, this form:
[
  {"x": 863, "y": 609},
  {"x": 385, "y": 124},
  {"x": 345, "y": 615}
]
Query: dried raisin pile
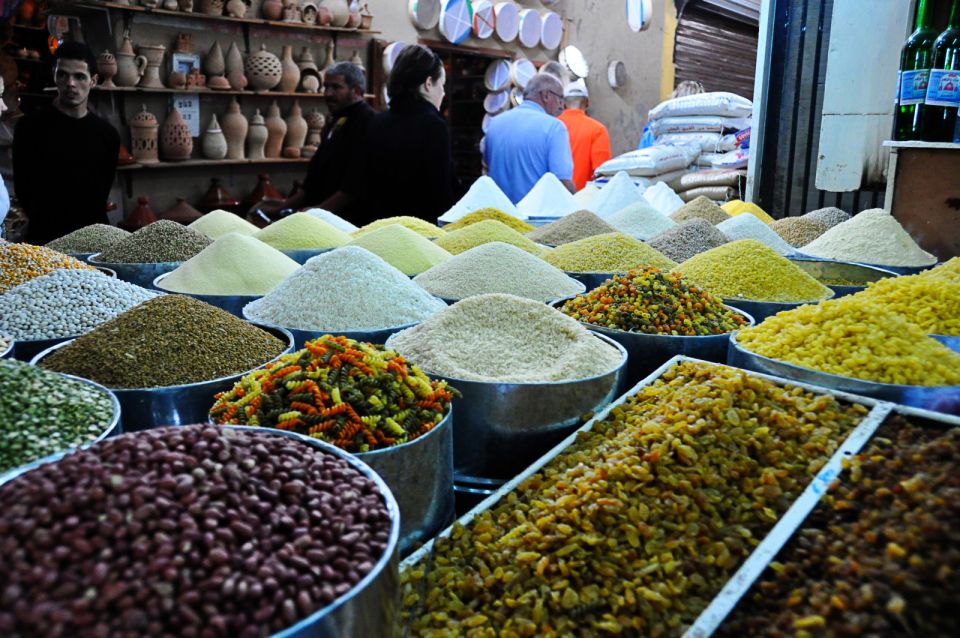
[{"x": 880, "y": 556}]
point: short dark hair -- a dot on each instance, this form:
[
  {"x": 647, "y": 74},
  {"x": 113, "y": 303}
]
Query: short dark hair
[
  {"x": 76, "y": 51},
  {"x": 414, "y": 65},
  {"x": 353, "y": 76}
]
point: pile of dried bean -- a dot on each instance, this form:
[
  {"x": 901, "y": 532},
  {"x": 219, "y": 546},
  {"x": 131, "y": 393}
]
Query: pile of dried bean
[
  {"x": 184, "y": 531},
  {"x": 345, "y": 392},
  {"x": 880, "y": 556},
  {"x": 636, "y": 526}
]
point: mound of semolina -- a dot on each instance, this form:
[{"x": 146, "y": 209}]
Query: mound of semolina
[
  {"x": 484, "y": 232},
  {"x": 490, "y": 213},
  {"x": 610, "y": 252},
  {"x": 417, "y": 225}
]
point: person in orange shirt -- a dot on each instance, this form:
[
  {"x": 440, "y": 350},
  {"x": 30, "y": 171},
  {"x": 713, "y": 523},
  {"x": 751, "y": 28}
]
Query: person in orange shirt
[{"x": 589, "y": 140}]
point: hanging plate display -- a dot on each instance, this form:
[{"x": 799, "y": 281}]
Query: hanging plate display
[
  {"x": 390, "y": 53},
  {"x": 484, "y": 19},
  {"x": 530, "y": 25},
  {"x": 508, "y": 21},
  {"x": 425, "y": 14},
  {"x": 573, "y": 59},
  {"x": 616, "y": 74},
  {"x": 521, "y": 71},
  {"x": 497, "y": 76},
  {"x": 639, "y": 14},
  {"x": 551, "y": 32},
  {"x": 456, "y": 20},
  {"x": 516, "y": 96},
  {"x": 485, "y": 125},
  {"x": 496, "y": 102}
]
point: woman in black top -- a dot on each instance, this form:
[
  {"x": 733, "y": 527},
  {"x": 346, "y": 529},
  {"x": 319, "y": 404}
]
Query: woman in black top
[{"x": 408, "y": 165}]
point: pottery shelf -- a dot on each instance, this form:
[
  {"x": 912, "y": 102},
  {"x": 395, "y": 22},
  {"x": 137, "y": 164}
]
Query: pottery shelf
[
  {"x": 208, "y": 91},
  {"x": 260, "y": 22},
  {"x": 194, "y": 163}
]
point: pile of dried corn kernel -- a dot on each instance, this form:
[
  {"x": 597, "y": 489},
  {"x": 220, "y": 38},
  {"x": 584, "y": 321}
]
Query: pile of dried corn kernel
[
  {"x": 638, "y": 524},
  {"x": 931, "y": 303},
  {"x": 652, "y": 301},
  {"x": 22, "y": 262},
  {"x": 880, "y": 556},
  {"x": 854, "y": 337}
]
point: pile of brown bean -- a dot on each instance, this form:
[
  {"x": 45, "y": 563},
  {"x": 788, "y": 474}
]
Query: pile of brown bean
[
  {"x": 185, "y": 531},
  {"x": 637, "y": 525},
  {"x": 880, "y": 556}
]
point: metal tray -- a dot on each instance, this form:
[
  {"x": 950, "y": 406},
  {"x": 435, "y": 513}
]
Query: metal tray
[
  {"x": 938, "y": 398},
  {"x": 370, "y": 608},
  {"x": 854, "y": 441},
  {"x": 832, "y": 269},
  {"x": 139, "y": 274},
  {"x": 739, "y": 585}
]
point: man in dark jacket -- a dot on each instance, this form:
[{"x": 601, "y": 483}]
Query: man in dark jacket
[{"x": 65, "y": 156}]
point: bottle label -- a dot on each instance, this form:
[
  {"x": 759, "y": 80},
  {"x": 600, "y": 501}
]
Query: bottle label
[
  {"x": 896, "y": 97},
  {"x": 913, "y": 86},
  {"x": 944, "y": 88}
]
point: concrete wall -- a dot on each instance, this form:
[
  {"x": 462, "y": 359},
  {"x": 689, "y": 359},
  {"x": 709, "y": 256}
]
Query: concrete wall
[{"x": 599, "y": 29}]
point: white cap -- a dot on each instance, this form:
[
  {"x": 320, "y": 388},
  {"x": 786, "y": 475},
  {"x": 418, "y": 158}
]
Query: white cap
[{"x": 577, "y": 88}]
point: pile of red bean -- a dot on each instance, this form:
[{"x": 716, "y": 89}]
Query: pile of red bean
[{"x": 194, "y": 531}]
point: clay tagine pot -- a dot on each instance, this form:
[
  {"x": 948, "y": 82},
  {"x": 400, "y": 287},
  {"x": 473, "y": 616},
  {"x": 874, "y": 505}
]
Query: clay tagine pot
[
  {"x": 181, "y": 212},
  {"x": 141, "y": 216},
  {"x": 217, "y": 197}
]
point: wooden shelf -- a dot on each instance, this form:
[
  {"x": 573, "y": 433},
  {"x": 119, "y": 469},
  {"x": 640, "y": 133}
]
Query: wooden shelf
[
  {"x": 949, "y": 146},
  {"x": 260, "y": 22},
  {"x": 203, "y": 163},
  {"x": 206, "y": 91}
]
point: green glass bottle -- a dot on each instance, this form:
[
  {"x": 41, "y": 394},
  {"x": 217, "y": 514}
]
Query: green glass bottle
[
  {"x": 938, "y": 115},
  {"x": 915, "y": 64}
]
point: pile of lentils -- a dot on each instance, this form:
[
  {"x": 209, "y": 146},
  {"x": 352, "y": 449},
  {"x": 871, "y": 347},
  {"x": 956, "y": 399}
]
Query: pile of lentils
[
  {"x": 574, "y": 226},
  {"x": 66, "y": 303},
  {"x": 830, "y": 216},
  {"x": 42, "y": 413},
  {"x": 89, "y": 239},
  {"x": 635, "y": 526},
  {"x": 687, "y": 239},
  {"x": 20, "y": 263},
  {"x": 168, "y": 340},
  {"x": 185, "y": 531},
  {"x": 652, "y": 301},
  {"x": 880, "y": 556},
  {"x": 389, "y": 402},
  {"x": 700, "y": 208},
  {"x": 161, "y": 241},
  {"x": 498, "y": 267},
  {"x": 799, "y": 231}
]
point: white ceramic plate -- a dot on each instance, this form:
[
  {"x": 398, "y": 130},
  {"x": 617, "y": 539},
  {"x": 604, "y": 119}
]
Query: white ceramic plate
[
  {"x": 639, "y": 14},
  {"x": 521, "y": 71},
  {"x": 484, "y": 19},
  {"x": 530, "y": 26},
  {"x": 497, "y": 77},
  {"x": 390, "y": 53},
  {"x": 551, "y": 31},
  {"x": 456, "y": 20},
  {"x": 573, "y": 59},
  {"x": 508, "y": 21},
  {"x": 425, "y": 14},
  {"x": 496, "y": 102}
]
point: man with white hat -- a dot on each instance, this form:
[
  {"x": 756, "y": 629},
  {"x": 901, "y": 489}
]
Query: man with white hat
[{"x": 589, "y": 139}]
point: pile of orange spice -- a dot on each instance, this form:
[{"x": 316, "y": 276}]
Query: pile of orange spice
[
  {"x": 653, "y": 301},
  {"x": 348, "y": 393}
]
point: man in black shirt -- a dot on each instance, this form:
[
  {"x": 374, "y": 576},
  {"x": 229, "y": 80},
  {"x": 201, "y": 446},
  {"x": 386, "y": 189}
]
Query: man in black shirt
[
  {"x": 64, "y": 156},
  {"x": 343, "y": 139}
]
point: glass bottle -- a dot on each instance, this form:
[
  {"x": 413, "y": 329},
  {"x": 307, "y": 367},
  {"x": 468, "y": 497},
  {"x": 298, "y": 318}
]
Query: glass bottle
[
  {"x": 938, "y": 115},
  {"x": 915, "y": 63}
]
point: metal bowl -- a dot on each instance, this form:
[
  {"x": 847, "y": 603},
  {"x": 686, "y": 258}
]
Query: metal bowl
[
  {"x": 113, "y": 427},
  {"x": 372, "y": 606},
  {"x": 27, "y": 349},
  {"x": 951, "y": 342},
  {"x": 231, "y": 303},
  {"x": 647, "y": 352},
  {"x": 420, "y": 473},
  {"x": 301, "y": 256},
  {"x": 591, "y": 279},
  {"x": 760, "y": 310},
  {"x": 500, "y": 428},
  {"x": 300, "y": 337},
  {"x": 901, "y": 270},
  {"x": 936, "y": 398},
  {"x": 139, "y": 274},
  {"x": 10, "y": 351},
  {"x": 145, "y": 408},
  {"x": 830, "y": 269},
  {"x": 109, "y": 272},
  {"x": 80, "y": 256}
]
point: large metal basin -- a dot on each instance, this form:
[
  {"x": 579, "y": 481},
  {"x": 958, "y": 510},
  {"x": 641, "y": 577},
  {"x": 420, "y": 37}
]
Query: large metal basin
[
  {"x": 647, "y": 352},
  {"x": 951, "y": 342},
  {"x": 145, "y": 408},
  {"x": 300, "y": 337},
  {"x": 372, "y": 606},
  {"x": 500, "y": 428},
  {"x": 140, "y": 274},
  {"x": 861, "y": 274},
  {"x": 113, "y": 427},
  {"x": 303, "y": 255},
  {"x": 420, "y": 474},
  {"x": 591, "y": 279},
  {"x": 902, "y": 270},
  {"x": 231, "y": 303},
  {"x": 937, "y": 398},
  {"x": 27, "y": 349},
  {"x": 8, "y": 352},
  {"x": 760, "y": 310}
]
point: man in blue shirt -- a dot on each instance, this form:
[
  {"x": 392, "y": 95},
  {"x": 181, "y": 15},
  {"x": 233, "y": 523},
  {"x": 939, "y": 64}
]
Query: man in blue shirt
[{"x": 525, "y": 143}]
